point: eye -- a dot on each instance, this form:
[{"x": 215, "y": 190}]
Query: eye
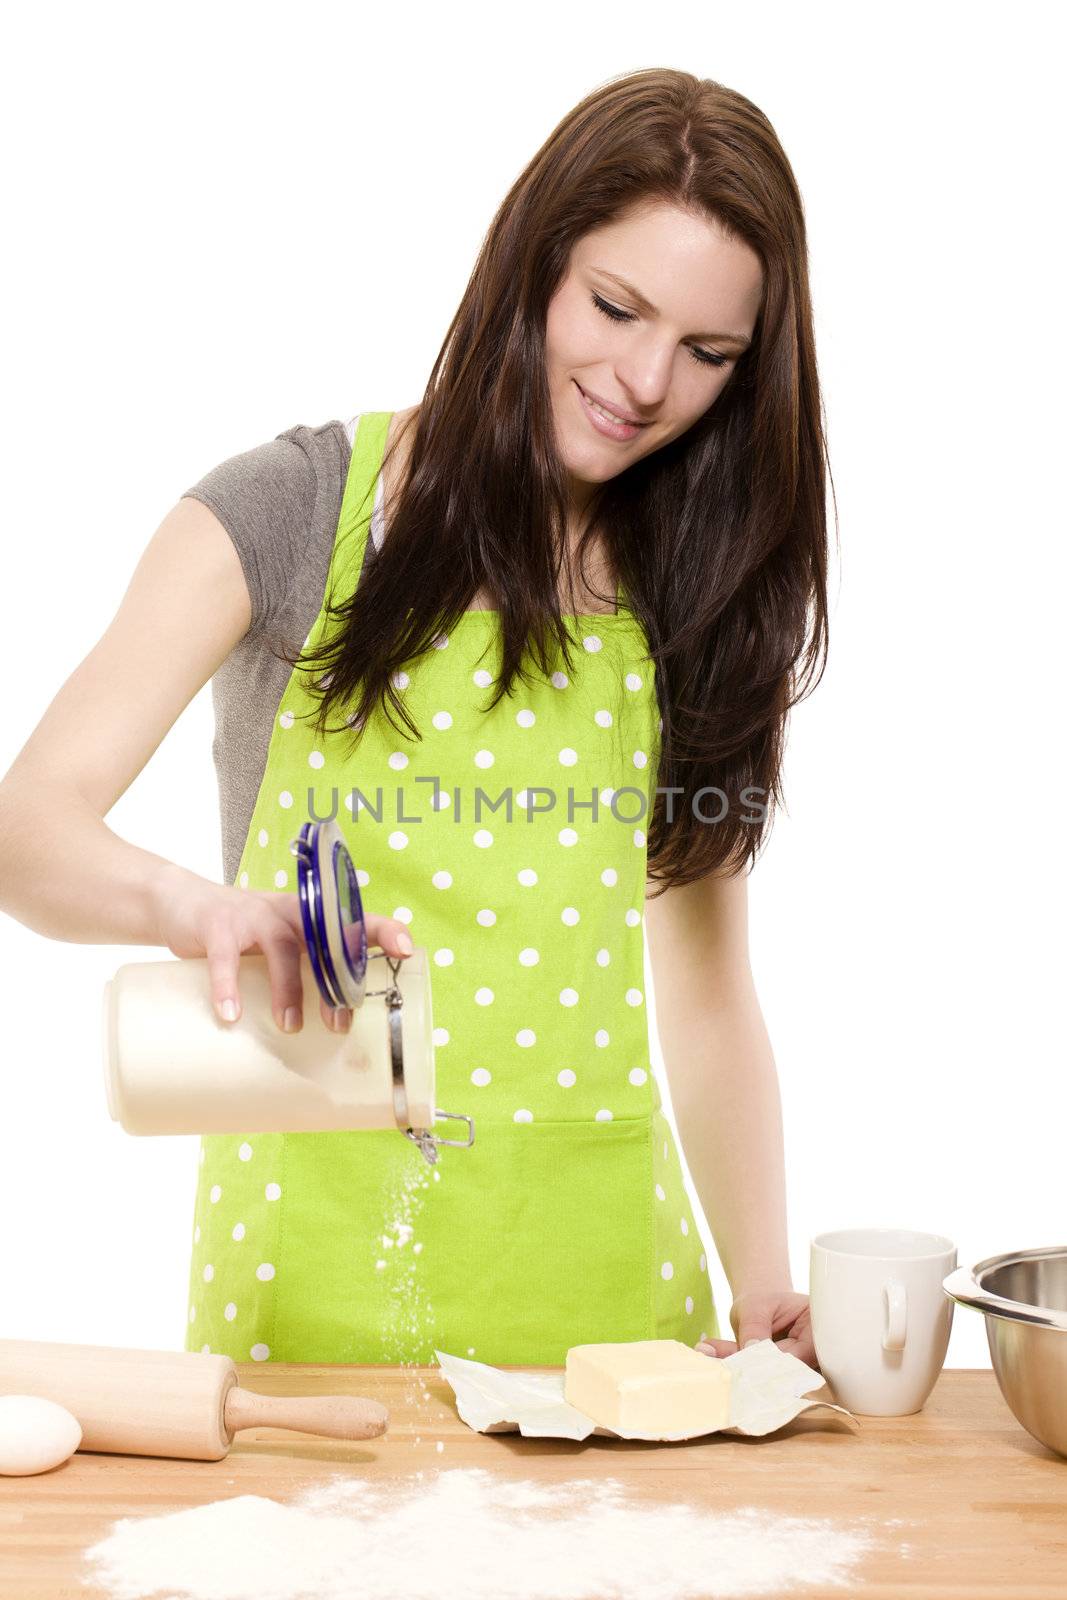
[
  {"x": 612, "y": 311},
  {"x": 707, "y": 358}
]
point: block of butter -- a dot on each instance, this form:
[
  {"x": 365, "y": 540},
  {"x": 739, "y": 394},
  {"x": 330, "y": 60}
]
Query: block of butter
[{"x": 649, "y": 1388}]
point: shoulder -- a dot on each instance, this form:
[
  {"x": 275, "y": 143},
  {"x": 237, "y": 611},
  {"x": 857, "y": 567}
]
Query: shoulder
[{"x": 271, "y": 498}]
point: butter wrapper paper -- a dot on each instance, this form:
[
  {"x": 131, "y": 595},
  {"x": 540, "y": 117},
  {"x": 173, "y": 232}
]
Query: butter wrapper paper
[{"x": 767, "y": 1390}]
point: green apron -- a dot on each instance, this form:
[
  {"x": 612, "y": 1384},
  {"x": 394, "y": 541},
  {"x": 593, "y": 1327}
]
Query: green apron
[{"x": 567, "y": 1220}]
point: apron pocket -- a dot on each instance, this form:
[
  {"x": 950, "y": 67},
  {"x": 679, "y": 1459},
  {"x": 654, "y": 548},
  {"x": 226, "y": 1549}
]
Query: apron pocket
[{"x": 538, "y": 1237}]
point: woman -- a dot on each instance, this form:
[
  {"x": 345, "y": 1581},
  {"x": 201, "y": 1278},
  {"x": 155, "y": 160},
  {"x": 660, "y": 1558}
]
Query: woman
[{"x": 585, "y": 572}]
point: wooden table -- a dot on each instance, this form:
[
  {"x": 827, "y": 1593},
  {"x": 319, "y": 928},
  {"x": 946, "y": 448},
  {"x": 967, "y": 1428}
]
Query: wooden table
[{"x": 982, "y": 1505}]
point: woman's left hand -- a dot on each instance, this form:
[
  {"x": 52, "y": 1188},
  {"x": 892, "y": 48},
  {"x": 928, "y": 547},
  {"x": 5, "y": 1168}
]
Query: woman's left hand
[{"x": 764, "y": 1314}]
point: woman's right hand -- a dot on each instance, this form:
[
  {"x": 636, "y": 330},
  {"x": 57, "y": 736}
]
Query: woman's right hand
[{"x": 196, "y": 917}]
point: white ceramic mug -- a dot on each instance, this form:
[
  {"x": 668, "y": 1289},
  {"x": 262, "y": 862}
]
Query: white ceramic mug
[{"x": 880, "y": 1320}]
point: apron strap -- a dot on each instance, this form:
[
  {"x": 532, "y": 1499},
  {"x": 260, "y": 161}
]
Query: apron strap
[
  {"x": 357, "y": 508},
  {"x": 357, "y": 505}
]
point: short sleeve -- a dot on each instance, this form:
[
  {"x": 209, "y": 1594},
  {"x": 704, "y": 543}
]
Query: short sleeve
[{"x": 265, "y": 499}]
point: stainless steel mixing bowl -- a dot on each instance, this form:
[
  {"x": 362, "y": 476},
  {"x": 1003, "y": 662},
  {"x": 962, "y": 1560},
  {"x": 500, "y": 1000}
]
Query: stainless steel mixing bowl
[{"x": 1023, "y": 1297}]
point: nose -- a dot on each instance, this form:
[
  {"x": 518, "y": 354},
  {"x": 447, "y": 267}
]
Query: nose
[{"x": 645, "y": 375}]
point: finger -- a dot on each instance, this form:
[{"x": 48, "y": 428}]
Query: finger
[
  {"x": 716, "y": 1347},
  {"x": 283, "y": 964},
  {"x": 286, "y": 906},
  {"x": 223, "y": 959},
  {"x": 390, "y": 935},
  {"x": 385, "y": 933},
  {"x": 803, "y": 1349},
  {"x": 336, "y": 1018},
  {"x": 752, "y": 1329}
]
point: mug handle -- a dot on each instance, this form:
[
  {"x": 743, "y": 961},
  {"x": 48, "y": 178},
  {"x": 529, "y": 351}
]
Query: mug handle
[{"x": 896, "y": 1315}]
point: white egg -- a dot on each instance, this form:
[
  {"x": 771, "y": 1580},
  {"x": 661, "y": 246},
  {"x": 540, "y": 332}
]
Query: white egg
[{"x": 35, "y": 1434}]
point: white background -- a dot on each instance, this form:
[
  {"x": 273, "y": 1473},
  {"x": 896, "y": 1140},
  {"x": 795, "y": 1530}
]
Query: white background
[{"x": 226, "y": 220}]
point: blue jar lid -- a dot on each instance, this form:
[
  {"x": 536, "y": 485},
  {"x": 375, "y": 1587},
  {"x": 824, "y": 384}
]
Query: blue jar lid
[{"x": 331, "y": 911}]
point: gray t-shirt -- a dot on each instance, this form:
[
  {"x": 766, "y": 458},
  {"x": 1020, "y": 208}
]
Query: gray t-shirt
[{"x": 279, "y": 503}]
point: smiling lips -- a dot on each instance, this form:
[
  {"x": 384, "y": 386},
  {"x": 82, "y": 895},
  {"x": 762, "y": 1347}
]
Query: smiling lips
[
  {"x": 606, "y": 421},
  {"x": 612, "y": 414}
]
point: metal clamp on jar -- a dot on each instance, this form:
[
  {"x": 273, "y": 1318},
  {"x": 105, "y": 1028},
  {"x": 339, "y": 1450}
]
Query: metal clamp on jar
[{"x": 335, "y": 933}]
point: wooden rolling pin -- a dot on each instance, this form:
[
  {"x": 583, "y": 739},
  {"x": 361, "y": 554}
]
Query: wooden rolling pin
[{"x": 170, "y": 1402}]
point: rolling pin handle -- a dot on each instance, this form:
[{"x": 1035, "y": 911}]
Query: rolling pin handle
[{"x": 335, "y": 1415}]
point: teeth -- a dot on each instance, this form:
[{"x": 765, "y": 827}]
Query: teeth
[{"x": 609, "y": 415}]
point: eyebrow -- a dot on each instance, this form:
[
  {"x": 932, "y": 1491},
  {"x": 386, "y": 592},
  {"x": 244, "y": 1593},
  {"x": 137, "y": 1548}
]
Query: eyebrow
[{"x": 646, "y": 305}]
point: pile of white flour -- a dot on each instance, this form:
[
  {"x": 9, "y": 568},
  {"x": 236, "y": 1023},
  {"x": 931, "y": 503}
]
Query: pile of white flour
[
  {"x": 469, "y": 1532},
  {"x": 474, "y": 1534}
]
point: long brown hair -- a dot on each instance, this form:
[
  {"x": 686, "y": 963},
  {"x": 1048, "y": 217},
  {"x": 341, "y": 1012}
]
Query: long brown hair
[{"x": 718, "y": 537}]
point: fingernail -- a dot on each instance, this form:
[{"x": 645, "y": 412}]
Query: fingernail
[
  {"x": 291, "y": 1020},
  {"x": 228, "y": 1010},
  {"x": 340, "y": 1019},
  {"x": 404, "y": 943}
]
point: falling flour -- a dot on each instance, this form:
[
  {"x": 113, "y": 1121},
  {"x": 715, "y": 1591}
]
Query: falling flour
[
  {"x": 407, "y": 1329},
  {"x": 409, "y": 1314},
  {"x": 473, "y": 1533}
]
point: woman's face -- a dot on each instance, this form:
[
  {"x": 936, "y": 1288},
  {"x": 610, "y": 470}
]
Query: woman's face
[{"x": 664, "y": 348}]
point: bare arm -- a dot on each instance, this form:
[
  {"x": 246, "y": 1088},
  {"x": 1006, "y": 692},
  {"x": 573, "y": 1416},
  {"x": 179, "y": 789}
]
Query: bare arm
[
  {"x": 721, "y": 1072},
  {"x": 63, "y": 871}
]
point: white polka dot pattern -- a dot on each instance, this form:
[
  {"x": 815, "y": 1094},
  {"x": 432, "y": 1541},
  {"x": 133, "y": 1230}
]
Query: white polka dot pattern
[{"x": 532, "y": 920}]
